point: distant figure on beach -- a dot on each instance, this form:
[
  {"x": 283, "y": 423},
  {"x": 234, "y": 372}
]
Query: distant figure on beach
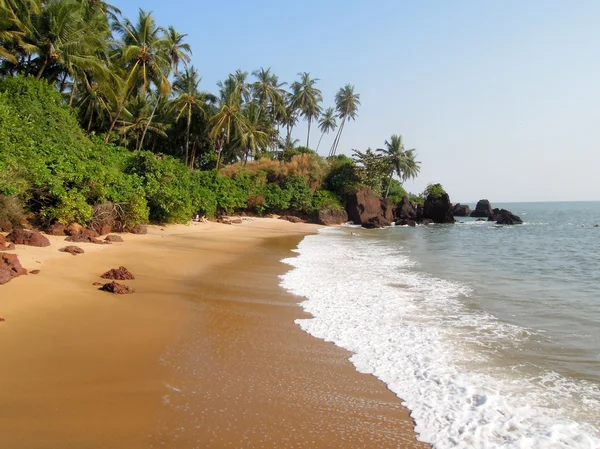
[{"x": 204, "y": 220}]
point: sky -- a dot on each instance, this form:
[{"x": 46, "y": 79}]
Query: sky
[{"x": 501, "y": 99}]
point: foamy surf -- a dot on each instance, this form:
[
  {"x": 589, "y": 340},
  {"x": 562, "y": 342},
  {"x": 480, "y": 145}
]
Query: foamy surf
[{"x": 415, "y": 333}]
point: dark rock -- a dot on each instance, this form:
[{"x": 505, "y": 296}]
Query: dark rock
[
  {"x": 377, "y": 222},
  {"x": 2, "y": 243},
  {"x": 119, "y": 274},
  {"x": 28, "y": 238},
  {"x": 480, "y": 219},
  {"x": 84, "y": 239},
  {"x": 363, "y": 205},
  {"x": 56, "y": 229},
  {"x": 90, "y": 233},
  {"x": 2, "y": 319},
  {"x": 404, "y": 222},
  {"x": 5, "y": 226},
  {"x": 505, "y": 217},
  {"x": 406, "y": 210},
  {"x": 116, "y": 288},
  {"x": 10, "y": 268},
  {"x": 35, "y": 272},
  {"x": 461, "y": 210},
  {"x": 420, "y": 212},
  {"x": 483, "y": 209},
  {"x": 439, "y": 209},
  {"x": 139, "y": 229},
  {"x": 73, "y": 250},
  {"x": 103, "y": 228},
  {"x": 427, "y": 221},
  {"x": 74, "y": 229},
  {"x": 332, "y": 217},
  {"x": 387, "y": 209},
  {"x": 114, "y": 238},
  {"x": 292, "y": 218}
]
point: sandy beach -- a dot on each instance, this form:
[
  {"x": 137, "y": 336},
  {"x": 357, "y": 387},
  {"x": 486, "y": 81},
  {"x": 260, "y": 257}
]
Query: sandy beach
[{"x": 205, "y": 353}]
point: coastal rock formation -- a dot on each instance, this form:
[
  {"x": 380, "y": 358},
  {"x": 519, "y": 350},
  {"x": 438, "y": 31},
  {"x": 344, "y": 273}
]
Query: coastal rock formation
[
  {"x": 28, "y": 238},
  {"x": 116, "y": 288},
  {"x": 56, "y": 229},
  {"x": 114, "y": 238},
  {"x": 119, "y": 274},
  {"x": 82, "y": 238},
  {"x": 10, "y": 268},
  {"x": 405, "y": 210},
  {"x": 363, "y": 205},
  {"x": 5, "y": 226},
  {"x": 404, "y": 222},
  {"x": 461, "y": 210},
  {"x": 2, "y": 243},
  {"x": 139, "y": 229},
  {"x": 290, "y": 218},
  {"x": 74, "y": 229},
  {"x": 376, "y": 222},
  {"x": 438, "y": 209},
  {"x": 505, "y": 217},
  {"x": 332, "y": 217},
  {"x": 483, "y": 209},
  {"x": 73, "y": 250}
]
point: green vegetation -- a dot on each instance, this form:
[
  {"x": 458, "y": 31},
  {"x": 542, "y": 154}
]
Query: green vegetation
[
  {"x": 434, "y": 191},
  {"x": 97, "y": 109}
]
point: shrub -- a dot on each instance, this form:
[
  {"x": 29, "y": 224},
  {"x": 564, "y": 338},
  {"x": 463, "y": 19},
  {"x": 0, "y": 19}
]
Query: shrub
[
  {"x": 324, "y": 199},
  {"x": 434, "y": 191},
  {"x": 397, "y": 191}
]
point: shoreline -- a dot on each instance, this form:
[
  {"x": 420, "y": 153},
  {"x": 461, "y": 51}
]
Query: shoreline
[{"x": 205, "y": 353}]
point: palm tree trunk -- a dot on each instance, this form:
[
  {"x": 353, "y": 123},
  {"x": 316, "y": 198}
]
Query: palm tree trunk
[
  {"x": 387, "y": 192},
  {"x": 63, "y": 83},
  {"x": 337, "y": 142},
  {"x": 147, "y": 126},
  {"x": 222, "y": 144},
  {"x": 337, "y": 136},
  {"x": 193, "y": 155},
  {"x": 187, "y": 136},
  {"x": 308, "y": 135},
  {"x": 89, "y": 125},
  {"x": 42, "y": 68},
  {"x": 116, "y": 117},
  {"x": 73, "y": 89},
  {"x": 319, "y": 144}
]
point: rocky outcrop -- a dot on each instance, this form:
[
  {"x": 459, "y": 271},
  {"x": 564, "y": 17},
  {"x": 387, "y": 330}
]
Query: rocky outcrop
[
  {"x": 376, "y": 222},
  {"x": 461, "y": 210},
  {"x": 74, "y": 229},
  {"x": 116, "y": 288},
  {"x": 83, "y": 238},
  {"x": 114, "y": 238},
  {"x": 405, "y": 210},
  {"x": 73, "y": 250},
  {"x": 483, "y": 209},
  {"x": 505, "y": 217},
  {"x": 2, "y": 243},
  {"x": 363, "y": 205},
  {"x": 139, "y": 229},
  {"x": 10, "y": 268},
  {"x": 28, "y": 238},
  {"x": 438, "y": 209},
  {"x": 290, "y": 218},
  {"x": 332, "y": 217},
  {"x": 119, "y": 274},
  {"x": 5, "y": 226},
  {"x": 56, "y": 229},
  {"x": 404, "y": 222}
]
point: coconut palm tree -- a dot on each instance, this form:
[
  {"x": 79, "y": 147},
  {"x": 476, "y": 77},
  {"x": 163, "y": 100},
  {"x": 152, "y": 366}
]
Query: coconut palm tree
[
  {"x": 189, "y": 100},
  {"x": 229, "y": 121},
  {"x": 402, "y": 161},
  {"x": 144, "y": 55},
  {"x": 347, "y": 103},
  {"x": 178, "y": 50},
  {"x": 327, "y": 124},
  {"x": 94, "y": 100},
  {"x": 235, "y": 88},
  {"x": 17, "y": 30},
  {"x": 307, "y": 97},
  {"x": 134, "y": 121},
  {"x": 257, "y": 132}
]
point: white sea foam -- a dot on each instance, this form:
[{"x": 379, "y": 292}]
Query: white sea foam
[{"x": 416, "y": 334}]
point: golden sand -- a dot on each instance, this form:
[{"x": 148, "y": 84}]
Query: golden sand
[{"x": 205, "y": 354}]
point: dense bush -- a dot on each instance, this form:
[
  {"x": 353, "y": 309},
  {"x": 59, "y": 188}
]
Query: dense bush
[{"x": 434, "y": 191}]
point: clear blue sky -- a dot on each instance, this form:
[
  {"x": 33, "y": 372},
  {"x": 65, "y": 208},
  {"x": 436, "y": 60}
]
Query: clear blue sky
[{"x": 501, "y": 99}]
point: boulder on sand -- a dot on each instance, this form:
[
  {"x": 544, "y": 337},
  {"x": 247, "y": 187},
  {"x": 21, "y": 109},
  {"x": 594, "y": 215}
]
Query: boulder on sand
[
  {"x": 56, "y": 229},
  {"x": 461, "y": 210},
  {"x": 505, "y": 217},
  {"x": 116, "y": 288},
  {"x": 10, "y": 268},
  {"x": 332, "y": 217},
  {"x": 73, "y": 250},
  {"x": 377, "y": 222},
  {"x": 119, "y": 274},
  {"x": 139, "y": 229},
  {"x": 74, "y": 229},
  {"x": 483, "y": 209},
  {"x": 28, "y": 238},
  {"x": 114, "y": 238},
  {"x": 83, "y": 238},
  {"x": 290, "y": 218}
]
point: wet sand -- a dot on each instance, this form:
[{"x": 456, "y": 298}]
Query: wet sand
[{"x": 204, "y": 354}]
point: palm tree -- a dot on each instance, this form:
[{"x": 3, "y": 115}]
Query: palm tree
[
  {"x": 307, "y": 97},
  {"x": 347, "y": 103},
  {"x": 95, "y": 100},
  {"x": 16, "y": 29},
  {"x": 256, "y": 134},
  {"x": 178, "y": 50},
  {"x": 327, "y": 124},
  {"x": 144, "y": 55},
  {"x": 189, "y": 99},
  {"x": 134, "y": 121},
  {"x": 402, "y": 161},
  {"x": 227, "y": 122},
  {"x": 267, "y": 89},
  {"x": 235, "y": 88}
]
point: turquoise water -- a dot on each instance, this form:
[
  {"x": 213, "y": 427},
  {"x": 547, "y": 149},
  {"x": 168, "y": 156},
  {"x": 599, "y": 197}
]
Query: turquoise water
[{"x": 490, "y": 334}]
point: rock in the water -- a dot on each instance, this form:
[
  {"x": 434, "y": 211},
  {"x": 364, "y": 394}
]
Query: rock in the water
[
  {"x": 10, "y": 268},
  {"x": 376, "y": 222},
  {"x": 139, "y": 229},
  {"x": 56, "y": 229},
  {"x": 427, "y": 221},
  {"x": 480, "y": 219},
  {"x": 461, "y": 210},
  {"x": 73, "y": 250},
  {"x": 363, "y": 205},
  {"x": 116, "y": 288},
  {"x": 28, "y": 238},
  {"x": 81, "y": 238},
  {"x": 74, "y": 229},
  {"x": 404, "y": 222},
  {"x": 114, "y": 238},
  {"x": 332, "y": 217},
  {"x": 438, "y": 209},
  {"x": 505, "y": 217},
  {"x": 405, "y": 210},
  {"x": 483, "y": 209},
  {"x": 119, "y": 274}
]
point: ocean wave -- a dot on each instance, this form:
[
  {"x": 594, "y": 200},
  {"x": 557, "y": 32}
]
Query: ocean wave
[{"x": 415, "y": 333}]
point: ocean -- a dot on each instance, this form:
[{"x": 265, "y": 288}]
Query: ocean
[{"x": 490, "y": 334}]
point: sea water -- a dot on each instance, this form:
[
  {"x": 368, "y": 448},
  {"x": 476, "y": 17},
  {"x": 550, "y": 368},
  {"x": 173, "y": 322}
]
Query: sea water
[{"x": 489, "y": 334}]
